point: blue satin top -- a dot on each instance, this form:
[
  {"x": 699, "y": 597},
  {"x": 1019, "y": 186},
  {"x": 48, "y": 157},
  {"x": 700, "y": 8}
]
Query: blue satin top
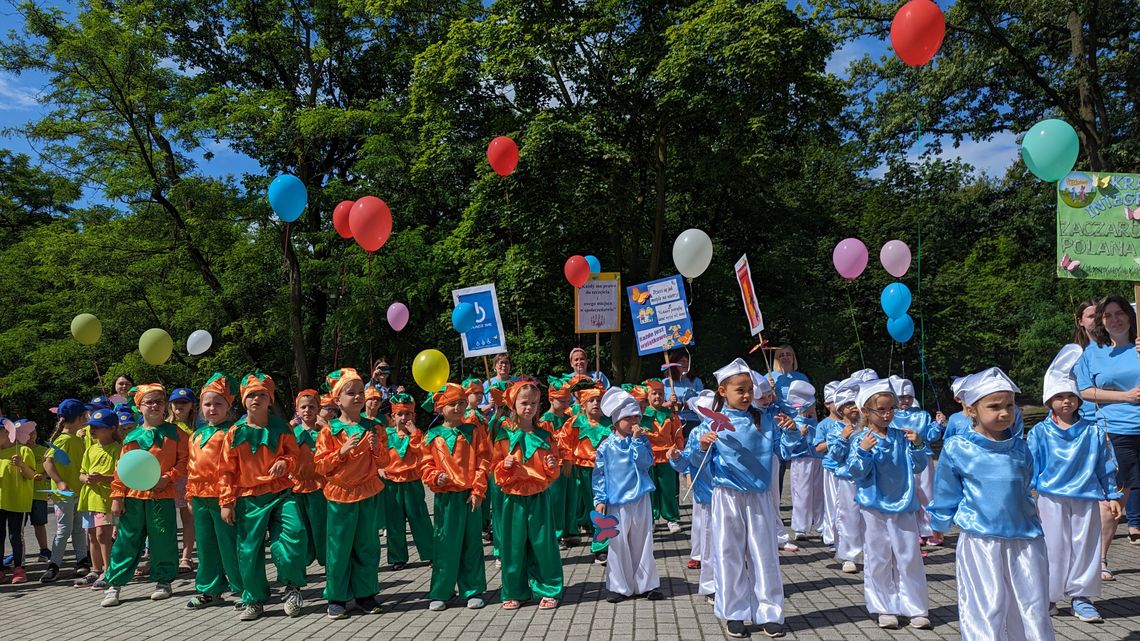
[
  {"x": 837, "y": 450},
  {"x": 823, "y": 432},
  {"x": 793, "y": 444},
  {"x": 621, "y": 471},
  {"x": 884, "y": 476},
  {"x": 783, "y": 380},
  {"x": 982, "y": 486},
  {"x": 918, "y": 421},
  {"x": 1076, "y": 463},
  {"x": 702, "y": 484},
  {"x": 741, "y": 460}
]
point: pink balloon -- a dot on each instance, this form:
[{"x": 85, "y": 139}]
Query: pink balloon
[
  {"x": 850, "y": 258},
  {"x": 895, "y": 257},
  {"x": 398, "y": 316}
]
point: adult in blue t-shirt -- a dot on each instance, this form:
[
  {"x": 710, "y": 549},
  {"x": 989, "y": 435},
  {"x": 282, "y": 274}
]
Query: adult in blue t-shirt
[
  {"x": 580, "y": 366},
  {"x": 785, "y": 369},
  {"x": 1108, "y": 374}
]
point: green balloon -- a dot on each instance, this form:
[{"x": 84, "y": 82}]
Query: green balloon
[
  {"x": 86, "y": 329},
  {"x": 139, "y": 470},
  {"x": 156, "y": 346}
]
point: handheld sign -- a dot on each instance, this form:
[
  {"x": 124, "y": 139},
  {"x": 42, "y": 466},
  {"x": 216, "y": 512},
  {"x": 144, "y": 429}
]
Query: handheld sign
[
  {"x": 748, "y": 294},
  {"x": 660, "y": 314},
  {"x": 486, "y": 336},
  {"x": 597, "y": 304}
]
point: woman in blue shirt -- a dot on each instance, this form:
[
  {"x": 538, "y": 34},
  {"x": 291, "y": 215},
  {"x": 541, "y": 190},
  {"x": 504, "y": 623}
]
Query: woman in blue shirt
[{"x": 1108, "y": 374}]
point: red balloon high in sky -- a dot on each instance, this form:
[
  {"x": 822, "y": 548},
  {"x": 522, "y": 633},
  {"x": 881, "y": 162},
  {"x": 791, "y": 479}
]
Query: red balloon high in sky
[
  {"x": 917, "y": 32},
  {"x": 503, "y": 154},
  {"x": 371, "y": 223}
]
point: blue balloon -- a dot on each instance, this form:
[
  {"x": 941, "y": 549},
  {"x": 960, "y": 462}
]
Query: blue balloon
[
  {"x": 463, "y": 318},
  {"x": 288, "y": 197},
  {"x": 901, "y": 329},
  {"x": 895, "y": 300},
  {"x": 595, "y": 264}
]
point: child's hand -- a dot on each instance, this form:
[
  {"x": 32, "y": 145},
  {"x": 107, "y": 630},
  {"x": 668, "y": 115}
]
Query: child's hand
[
  {"x": 321, "y": 422},
  {"x": 600, "y": 508},
  {"x": 295, "y": 422},
  {"x": 83, "y": 478},
  {"x": 940, "y": 418},
  {"x": 868, "y": 442},
  {"x": 62, "y": 486},
  {"x": 352, "y": 442},
  {"x": 163, "y": 483},
  {"x": 442, "y": 479},
  {"x": 847, "y": 432},
  {"x": 474, "y": 502},
  {"x": 228, "y": 514},
  {"x": 803, "y": 431},
  {"x": 550, "y": 461},
  {"x": 785, "y": 422},
  {"x": 118, "y": 508},
  {"x": 382, "y": 474},
  {"x": 637, "y": 431},
  {"x": 674, "y": 453},
  {"x": 673, "y": 400},
  {"x": 278, "y": 469},
  {"x": 707, "y": 439},
  {"x": 509, "y": 461},
  {"x": 17, "y": 461},
  {"x": 1113, "y": 509},
  {"x": 913, "y": 437},
  {"x": 373, "y": 440}
]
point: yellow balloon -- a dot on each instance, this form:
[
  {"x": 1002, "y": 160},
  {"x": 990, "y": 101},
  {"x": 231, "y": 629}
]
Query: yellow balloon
[
  {"x": 86, "y": 329},
  {"x": 156, "y": 346},
  {"x": 431, "y": 370}
]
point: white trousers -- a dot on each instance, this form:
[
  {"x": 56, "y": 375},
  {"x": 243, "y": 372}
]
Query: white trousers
[
  {"x": 707, "y": 579},
  {"x": 924, "y": 488},
  {"x": 748, "y": 582},
  {"x": 807, "y": 494},
  {"x": 894, "y": 580},
  {"x": 830, "y": 505},
  {"x": 630, "y": 568},
  {"x": 1002, "y": 592},
  {"x": 1072, "y": 537},
  {"x": 697, "y": 532},
  {"x": 848, "y": 523},
  {"x": 774, "y": 492}
]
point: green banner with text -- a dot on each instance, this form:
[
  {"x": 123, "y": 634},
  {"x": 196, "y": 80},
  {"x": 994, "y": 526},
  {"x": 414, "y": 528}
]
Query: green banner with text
[{"x": 1098, "y": 226}]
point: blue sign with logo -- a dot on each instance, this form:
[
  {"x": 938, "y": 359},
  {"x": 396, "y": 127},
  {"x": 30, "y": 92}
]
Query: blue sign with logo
[
  {"x": 487, "y": 336},
  {"x": 660, "y": 312}
]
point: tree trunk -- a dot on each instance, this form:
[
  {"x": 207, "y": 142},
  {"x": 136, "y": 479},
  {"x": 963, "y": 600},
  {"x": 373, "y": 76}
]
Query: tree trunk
[
  {"x": 301, "y": 364},
  {"x": 659, "y": 167},
  {"x": 1087, "y": 130}
]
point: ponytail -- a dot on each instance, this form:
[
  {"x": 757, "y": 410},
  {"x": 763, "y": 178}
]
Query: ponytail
[{"x": 59, "y": 423}]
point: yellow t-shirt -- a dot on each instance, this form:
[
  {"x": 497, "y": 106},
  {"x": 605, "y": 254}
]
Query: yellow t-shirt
[
  {"x": 74, "y": 445},
  {"x": 15, "y": 490},
  {"x": 186, "y": 428},
  {"x": 98, "y": 459},
  {"x": 43, "y": 483}
]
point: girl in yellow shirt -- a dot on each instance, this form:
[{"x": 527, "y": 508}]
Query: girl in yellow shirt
[
  {"x": 96, "y": 473},
  {"x": 17, "y": 485}
]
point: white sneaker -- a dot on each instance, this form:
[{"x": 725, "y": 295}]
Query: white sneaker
[
  {"x": 437, "y": 606},
  {"x": 294, "y": 602},
  {"x": 110, "y": 598},
  {"x": 849, "y": 567},
  {"x": 791, "y": 547},
  {"x": 888, "y": 622},
  {"x": 674, "y": 527},
  {"x": 161, "y": 592},
  {"x": 920, "y": 623},
  {"x": 475, "y": 603}
]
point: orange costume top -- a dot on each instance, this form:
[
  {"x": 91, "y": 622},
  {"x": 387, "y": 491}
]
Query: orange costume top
[
  {"x": 462, "y": 453},
  {"x": 202, "y": 470},
  {"x": 248, "y": 454},
  {"x": 663, "y": 429},
  {"x": 352, "y": 477},
  {"x": 581, "y": 437},
  {"x": 405, "y": 456},
  {"x": 168, "y": 445},
  {"x": 306, "y": 480},
  {"x": 530, "y": 474}
]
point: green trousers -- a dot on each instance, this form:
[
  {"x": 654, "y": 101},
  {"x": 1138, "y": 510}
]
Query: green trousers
[
  {"x": 404, "y": 506},
  {"x": 583, "y": 502},
  {"x": 354, "y": 550},
  {"x": 495, "y": 498},
  {"x": 144, "y": 519},
  {"x": 280, "y": 517},
  {"x": 532, "y": 566},
  {"x": 664, "y": 498},
  {"x": 458, "y": 550},
  {"x": 216, "y": 540},
  {"x": 314, "y": 513},
  {"x": 558, "y": 492}
]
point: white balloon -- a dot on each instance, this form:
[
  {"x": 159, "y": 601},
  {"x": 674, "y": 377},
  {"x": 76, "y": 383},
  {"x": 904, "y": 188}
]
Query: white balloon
[
  {"x": 199, "y": 342},
  {"x": 692, "y": 252}
]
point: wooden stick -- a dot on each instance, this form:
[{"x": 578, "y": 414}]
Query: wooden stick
[
  {"x": 598, "y": 354},
  {"x": 487, "y": 368},
  {"x": 669, "y": 375}
]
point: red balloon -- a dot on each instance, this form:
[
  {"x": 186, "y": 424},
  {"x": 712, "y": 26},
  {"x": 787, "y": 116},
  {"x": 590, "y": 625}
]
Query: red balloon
[
  {"x": 503, "y": 154},
  {"x": 340, "y": 218},
  {"x": 917, "y": 32},
  {"x": 577, "y": 270},
  {"x": 371, "y": 223}
]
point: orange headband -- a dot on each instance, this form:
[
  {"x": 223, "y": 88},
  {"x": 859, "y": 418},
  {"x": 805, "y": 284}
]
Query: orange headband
[
  {"x": 258, "y": 382},
  {"x": 516, "y": 387},
  {"x": 373, "y": 393},
  {"x": 327, "y": 401},
  {"x": 448, "y": 395},
  {"x": 220, "y": 385},
  {"x": 147, "y": 388},
  {"x": 338, "y": 379},
  {"x": 589, "y": 393},
  {"x": 306, "y": 392},
  {"x": 656, "y": 384}
]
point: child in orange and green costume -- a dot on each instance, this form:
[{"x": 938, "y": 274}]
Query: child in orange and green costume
[
  {"x": 580, "y": 439},
  {"x": 403, "y": 495},
  {"x": 560, "y": 490},
  {"x": 663, "y": 429},
  {"x": 307, "y": 483}
]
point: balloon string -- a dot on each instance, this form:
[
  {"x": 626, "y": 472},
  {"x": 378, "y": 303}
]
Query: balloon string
[
  {"x": 858, "y": 341},
  {"x": 891, "y": 359},
  {"x": 340, "y": 299},
  {"x": 99, "y": 378},
  {"x": 371, "y": 288},
  {"x": 922, "y": 334}
]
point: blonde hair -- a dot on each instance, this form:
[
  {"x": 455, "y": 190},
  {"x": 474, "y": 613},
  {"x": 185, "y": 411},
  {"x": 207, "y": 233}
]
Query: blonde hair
[
  {"x": 776, "y": 361},
  {"x": 864, "y": 422}
]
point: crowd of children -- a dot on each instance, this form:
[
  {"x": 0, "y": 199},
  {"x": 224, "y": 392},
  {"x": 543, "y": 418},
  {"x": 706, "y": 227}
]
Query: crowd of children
[{"x": 601, "y": 463}]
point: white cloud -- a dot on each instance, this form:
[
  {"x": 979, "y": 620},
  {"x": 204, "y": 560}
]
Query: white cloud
[{"x": 16, "y": 97}]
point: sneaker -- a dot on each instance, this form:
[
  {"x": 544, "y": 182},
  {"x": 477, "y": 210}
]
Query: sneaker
[
  {"x": 437, "y": 606},
  {"x": 110, "y": 598},
  {"x": 51, "y": 574},
  {"x": 293, "y": 602},
  {"x": 654, "y": 595},
  {"x": 1083, "y": 609},
  {"x": 791, "y": 547},
  {"x": 920, "y": 623},
  {"x": 475, "y": 603},
  {"x": 563, "y": 545},
  {"x": 849, "y": 567},
  {"x": 888, "y": 622},
  {"x": 600, "y": 558},
  {"x": 199, "y": 601},
  {"x": 396, "y": 567},
  {"x": 8, "y": 559},
  {"x": 673, "y": 526},
  {"x": 44, "y": 555},
  {"x": 251, "y": 612},
  {"x": 773, "y": 630},
  {"x": 87, "y": 580},
  {"x": 831, "y": 549},
  {"x": 100, "y": 584},
  {"x": 615, "y": 597},
  {"x": 239, "y": 605},
  {"x": 161, "y": 592},
  {"x": 369, "y": 605},
  {"x": 83, "y": 568},
  {"x": 1053, "y": 611},
  {"x": 736, "y": 630},
  {"x": 337, "y": 611},
  {"x": 693, "y": 564},
  {"x": 19, "y": 575},
  {"x": 934, "y": 541}
]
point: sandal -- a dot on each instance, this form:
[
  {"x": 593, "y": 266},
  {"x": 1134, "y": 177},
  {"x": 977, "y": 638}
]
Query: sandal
[
  {"x": 511, "y": 604},
  {"x": 1105, "y": 573},
  {"x": 185, "y": 566},
  {"x": 547, "y": 603}
]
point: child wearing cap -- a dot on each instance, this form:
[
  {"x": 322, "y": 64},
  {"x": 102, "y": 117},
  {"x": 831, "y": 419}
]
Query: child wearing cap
[
  {"x": 147, "y": 517},
  {"x": 17, "y": 487},
  {"x": 823, "y": 434},
  {"x": 329, "y": 409},
  {"x": 982, "y": 485},
  {"x": 743, "y": 518},
  {"x": 307, "y": 482},
  {"x": 700, "y": 543},
  {"x": 218, "y": 569},
  {"x": 181, "y": 414},
  {"x": 553, "y": 420},
  {"x": 764, "y": 398},
  {"x": 1074, "y": 472},
  {"x": 473, "y": 388},
  {"x": 455, "y": 467},
  {"x": 917, "y": 420},
  {"x": 621, "y": 486},
  {"x": 581, "y": 437},
  {"x": 350, "y": 455},
  {"x": 39, "y": 515},
  {"x": 848, "y": 518},
  {"x": 798, "y": 447},
  {"x": 403, "y": 494},
  {"x": 372, "y": 401},
  {"x": 62, "y": 466},
  {"x": 667, "y": 439},
  {"x": 96, "y": 473},
  {"x": 525, "y": 459},
  {"x": 256, "y": 495},
  {"x": 883, "y": 461}
]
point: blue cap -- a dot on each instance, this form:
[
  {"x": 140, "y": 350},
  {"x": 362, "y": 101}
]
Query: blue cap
[
  {"x": 70, "y": 409},
  {"x": 182, "y": 394},
  {"x": 126, "y": 417},
  {"x": 99, "y": 402},
  {"x": 103, "y": 417}
]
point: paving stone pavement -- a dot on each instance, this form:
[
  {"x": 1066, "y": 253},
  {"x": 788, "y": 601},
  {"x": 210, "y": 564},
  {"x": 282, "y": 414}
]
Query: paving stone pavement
[{"x": 821, "y": 603}]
